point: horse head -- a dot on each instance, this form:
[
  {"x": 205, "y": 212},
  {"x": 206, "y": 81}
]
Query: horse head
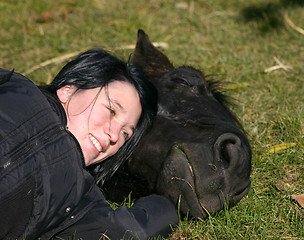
[{"x": 197, "y": 152}]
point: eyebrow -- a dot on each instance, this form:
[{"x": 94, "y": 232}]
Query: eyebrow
[{"x": 118, "y": 104}]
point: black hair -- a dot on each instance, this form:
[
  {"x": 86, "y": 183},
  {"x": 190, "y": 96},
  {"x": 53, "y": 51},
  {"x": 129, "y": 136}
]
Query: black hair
[{"x": 97, "y": 68}]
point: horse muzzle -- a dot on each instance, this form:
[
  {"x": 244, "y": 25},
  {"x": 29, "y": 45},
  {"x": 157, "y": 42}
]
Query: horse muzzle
[{"x": 204, "y": 178}]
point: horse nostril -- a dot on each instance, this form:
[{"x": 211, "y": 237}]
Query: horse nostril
[
  {"x": 227, "y": 149},
  {"x": 224, "y": 156}
]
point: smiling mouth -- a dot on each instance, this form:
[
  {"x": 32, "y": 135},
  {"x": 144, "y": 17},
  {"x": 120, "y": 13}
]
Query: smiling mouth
[{"x": 95, "y": 143}]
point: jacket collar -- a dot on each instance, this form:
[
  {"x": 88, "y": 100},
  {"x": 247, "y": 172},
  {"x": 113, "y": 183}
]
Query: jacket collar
[
  {"x": 59, "y": 110},
  {"x": 56, "y": 106}
]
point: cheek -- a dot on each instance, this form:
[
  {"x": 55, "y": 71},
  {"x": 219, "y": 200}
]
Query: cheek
[
  {"x": 98, "y": 116},
  {"x": 78, "y": 125}
]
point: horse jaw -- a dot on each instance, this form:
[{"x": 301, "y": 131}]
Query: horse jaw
[{"x": 177, "y": 182}]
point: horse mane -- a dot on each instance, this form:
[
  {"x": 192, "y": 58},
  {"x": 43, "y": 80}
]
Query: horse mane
[{"x": 217, "y": 87}]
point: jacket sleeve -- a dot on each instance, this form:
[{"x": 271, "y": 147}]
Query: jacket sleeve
[{"x": 150, "y": 216}]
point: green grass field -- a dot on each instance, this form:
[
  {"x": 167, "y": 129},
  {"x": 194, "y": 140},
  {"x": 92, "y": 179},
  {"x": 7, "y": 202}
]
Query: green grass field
[{"x": 237, "y": 42}]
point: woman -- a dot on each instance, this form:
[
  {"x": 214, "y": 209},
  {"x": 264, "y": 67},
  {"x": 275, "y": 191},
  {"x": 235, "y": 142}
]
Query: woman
[
  {"x": 95, "y": 70},
  {"x": 93, "y": 114}
]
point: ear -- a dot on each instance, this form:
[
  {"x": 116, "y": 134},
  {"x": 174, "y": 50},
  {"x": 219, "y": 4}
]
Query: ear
[
  {"x": 148, "y": 57},
  {"x": 64, "y": 93}
]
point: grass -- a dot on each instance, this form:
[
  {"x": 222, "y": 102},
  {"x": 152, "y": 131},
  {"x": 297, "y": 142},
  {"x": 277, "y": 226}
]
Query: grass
[{"x": 234, "y": 41}]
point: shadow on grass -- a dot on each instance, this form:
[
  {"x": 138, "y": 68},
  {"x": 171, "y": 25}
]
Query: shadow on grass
[{"x": 268, "y": 16}]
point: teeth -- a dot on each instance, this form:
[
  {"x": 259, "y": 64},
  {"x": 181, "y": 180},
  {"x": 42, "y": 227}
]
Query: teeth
[{"x": 95, "y": 142}]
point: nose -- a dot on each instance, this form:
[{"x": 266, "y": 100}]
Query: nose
[{"x": 114, "y": 132}]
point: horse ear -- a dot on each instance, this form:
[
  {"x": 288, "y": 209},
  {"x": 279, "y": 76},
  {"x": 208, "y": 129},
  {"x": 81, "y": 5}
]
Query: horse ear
[{"x": 148, "y": 57}]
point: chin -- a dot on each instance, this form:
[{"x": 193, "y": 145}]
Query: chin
[{"x": 89, "y": 160}]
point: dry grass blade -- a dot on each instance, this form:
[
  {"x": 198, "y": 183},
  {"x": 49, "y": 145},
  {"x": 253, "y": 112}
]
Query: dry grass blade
[
  {"x": 53, "y": 60},
  {"x": 181, "y": 179},
  {"x": 279, "y": 66},
  {"x": 281, "y": 147},
  {"x": 73, "y": 54},
  {"x": 132, "y": 46},
  {"x": 292, "y": 25}
]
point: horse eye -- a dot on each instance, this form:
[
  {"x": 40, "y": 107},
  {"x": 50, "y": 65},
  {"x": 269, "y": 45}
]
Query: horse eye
[{"x": 180, "y": 81}]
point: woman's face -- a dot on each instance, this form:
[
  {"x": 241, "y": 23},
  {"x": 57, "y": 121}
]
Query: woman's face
[{"x": 102, "y": 120}]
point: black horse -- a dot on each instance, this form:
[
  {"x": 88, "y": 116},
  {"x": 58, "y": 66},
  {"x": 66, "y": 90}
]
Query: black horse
[{"x": 197, "y": 152}]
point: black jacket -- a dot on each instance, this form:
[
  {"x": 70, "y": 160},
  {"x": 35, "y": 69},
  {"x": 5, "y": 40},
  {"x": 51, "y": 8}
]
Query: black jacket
[{"x": 45, "y": 190}]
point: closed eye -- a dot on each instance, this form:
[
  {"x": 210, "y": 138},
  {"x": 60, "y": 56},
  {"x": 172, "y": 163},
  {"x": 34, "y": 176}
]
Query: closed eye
[
  {"x": 181, "y": 81},
  {"x": 112, "y": 112}
]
